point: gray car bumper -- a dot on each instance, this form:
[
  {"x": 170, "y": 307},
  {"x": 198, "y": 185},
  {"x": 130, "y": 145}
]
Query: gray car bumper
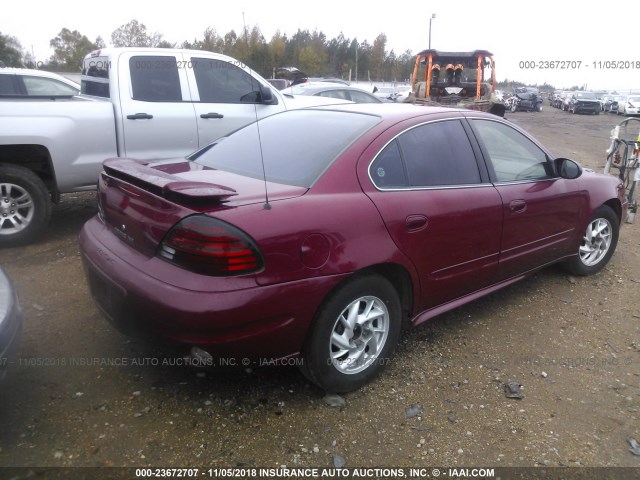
[{"x": 10, "y": 323}]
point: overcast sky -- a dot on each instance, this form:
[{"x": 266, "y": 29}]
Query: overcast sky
[{"x": 534, "y": 32}]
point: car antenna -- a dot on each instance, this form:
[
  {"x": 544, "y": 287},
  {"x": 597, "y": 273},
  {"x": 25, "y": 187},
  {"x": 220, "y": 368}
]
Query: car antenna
[{"x": 267, "y": 205}]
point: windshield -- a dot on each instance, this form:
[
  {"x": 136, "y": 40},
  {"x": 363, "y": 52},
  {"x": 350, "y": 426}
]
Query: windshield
[
  {"x": 297, "y": 146},
  {"x": 634, "y": 99},
  {"x": 586, "y": 95}
]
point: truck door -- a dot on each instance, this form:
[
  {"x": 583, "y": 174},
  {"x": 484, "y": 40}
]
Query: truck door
[
  {"x": 225, "y": 97},
  {"x": 157, "y": 115}
]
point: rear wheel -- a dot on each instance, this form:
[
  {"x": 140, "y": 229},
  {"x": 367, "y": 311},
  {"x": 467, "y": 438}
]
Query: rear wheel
[
  {"x": 25, "y": 207},
  {"x": 597, "y": 244},
  {"x": 353, "y": 335}
]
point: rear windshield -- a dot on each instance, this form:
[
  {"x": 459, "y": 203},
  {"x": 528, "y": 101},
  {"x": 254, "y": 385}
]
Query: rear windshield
[{"x": 297, "y": 146}]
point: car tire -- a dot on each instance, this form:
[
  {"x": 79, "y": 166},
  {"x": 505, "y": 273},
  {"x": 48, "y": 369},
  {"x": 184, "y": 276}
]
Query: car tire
[
  {"x": 595, "y": 250},
  {"x": 539, "y": 107},
  {"x": 373, "y": 307},
  {"x": 25, "y": 206}
]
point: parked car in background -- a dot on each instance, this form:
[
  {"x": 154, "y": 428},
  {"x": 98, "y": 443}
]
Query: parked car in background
[
  {"x": 279, "y": 83},
  {"x": 10, "y": 323},
  {"x": 296, "y": 76},
  {"x": 334, "y": 90},
  {"x": 526, "y": 99},
  {"x": 397, "y": 94},
  {"x": 606, "y": 102},
  {"x": 613, "y": 107},
  {"x": 317, "y": 233},
  {"x": 556, "y": 100},
  {"x": 385, "y": 93},
  {"x": 27, "y": 83},
  {"x": 561, "y": 99},
  {"x": 584, "y": 102},
  {"x": 403, "y": 94},
  {"x": 629, "y": 105}
]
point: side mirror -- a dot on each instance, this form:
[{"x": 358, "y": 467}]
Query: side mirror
[
  {"x": 567, "y": 168},
  {"x": 266, "y": 96}
]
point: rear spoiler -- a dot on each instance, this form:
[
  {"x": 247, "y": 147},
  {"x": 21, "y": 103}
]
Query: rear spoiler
[{"x": 165, "y": 185}]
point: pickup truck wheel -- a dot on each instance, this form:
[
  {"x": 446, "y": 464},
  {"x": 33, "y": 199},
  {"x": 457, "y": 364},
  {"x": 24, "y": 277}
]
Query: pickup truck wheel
[{"x": 25, "y": 208}]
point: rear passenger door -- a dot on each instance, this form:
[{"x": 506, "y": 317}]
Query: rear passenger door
[
  {"x": 225, "y": 97},
  {"x": 157, "y": 115},
  {"x": 439, "y": 207}
]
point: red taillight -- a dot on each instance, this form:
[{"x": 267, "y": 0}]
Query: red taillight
[{"x": 210, "y": 246}]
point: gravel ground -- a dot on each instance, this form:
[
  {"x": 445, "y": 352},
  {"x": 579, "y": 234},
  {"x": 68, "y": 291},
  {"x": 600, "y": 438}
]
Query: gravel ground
[{"x": 80, "y": 394}]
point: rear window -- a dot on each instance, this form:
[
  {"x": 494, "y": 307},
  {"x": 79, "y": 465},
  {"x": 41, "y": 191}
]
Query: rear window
[
  {"x": 297, "y": 146},
  {"x": 7, "y": 85},
  {"x": 95, "y": 76}
]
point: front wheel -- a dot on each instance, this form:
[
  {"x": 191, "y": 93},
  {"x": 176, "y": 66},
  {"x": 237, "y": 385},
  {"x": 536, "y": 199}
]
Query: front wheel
[
  {"x": 514, "y": 107},
  {"x": 25, "y": 206},
  {"x": 598, "y": 243},
  {"x": 353, "y": 335}
]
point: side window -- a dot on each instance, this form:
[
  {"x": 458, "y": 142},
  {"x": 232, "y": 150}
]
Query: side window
[
  {"x": 439, "y": 154},
  {"x": 514, "y": 157},
  {"x": 7, "y": 85},
  {"x": 340, "y": 94},
  {"x": 361, "y": 97},
  {"x": 155, "y": 79},
  {"x": 95, "y": 77},
  {"x": 47, "y": 86},
  {"x": 222, "y": 82},
  {"x": 387, "y": 170}
]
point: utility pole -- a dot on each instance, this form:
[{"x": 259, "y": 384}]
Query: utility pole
[
  {"x": 433, "y": 15},
  {"x": 356, "y": 62}
]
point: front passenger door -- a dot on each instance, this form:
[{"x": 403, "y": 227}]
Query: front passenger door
[
  {"x": 226, "y": 98},
  {"x": 539, "y": 208}
]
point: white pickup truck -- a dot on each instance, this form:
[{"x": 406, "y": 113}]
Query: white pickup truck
[{"x": 137, "y": 102}]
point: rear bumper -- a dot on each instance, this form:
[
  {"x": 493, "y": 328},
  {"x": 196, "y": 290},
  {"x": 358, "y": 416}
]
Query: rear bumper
[{"x": 258, "y": 322}]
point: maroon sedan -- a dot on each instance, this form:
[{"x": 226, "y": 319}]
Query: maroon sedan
[{"x": 317, "y": 233}]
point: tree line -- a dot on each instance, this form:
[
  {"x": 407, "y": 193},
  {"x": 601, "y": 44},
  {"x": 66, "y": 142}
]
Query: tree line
[{"x": 310, "y": 51}]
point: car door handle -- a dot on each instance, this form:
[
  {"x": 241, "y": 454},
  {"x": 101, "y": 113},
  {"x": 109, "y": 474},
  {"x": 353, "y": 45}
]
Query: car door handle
[
  {"x": 414, "y": 223},
  {"x": 517, "y": 206},
  {"x": 212, "y": 115},
  {"x": 140, "y": 116}
]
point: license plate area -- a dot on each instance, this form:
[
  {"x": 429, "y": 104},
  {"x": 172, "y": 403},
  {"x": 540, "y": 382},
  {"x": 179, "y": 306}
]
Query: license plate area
[{"x": 108, "y": 296}]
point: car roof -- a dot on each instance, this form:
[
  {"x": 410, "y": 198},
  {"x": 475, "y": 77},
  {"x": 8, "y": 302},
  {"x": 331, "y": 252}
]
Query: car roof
[
  {"x": 38, "y": 73},
  {"x": 395, "y": 112},
  {"x": 324, "y": 87}
]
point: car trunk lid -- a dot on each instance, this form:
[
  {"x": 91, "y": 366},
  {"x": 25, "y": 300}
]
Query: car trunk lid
[{"x": 141, "y": 201}]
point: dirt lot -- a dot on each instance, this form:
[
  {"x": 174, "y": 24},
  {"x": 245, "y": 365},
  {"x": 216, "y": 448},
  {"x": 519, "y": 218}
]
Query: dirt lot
[{"x": 572, "y": 343}]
